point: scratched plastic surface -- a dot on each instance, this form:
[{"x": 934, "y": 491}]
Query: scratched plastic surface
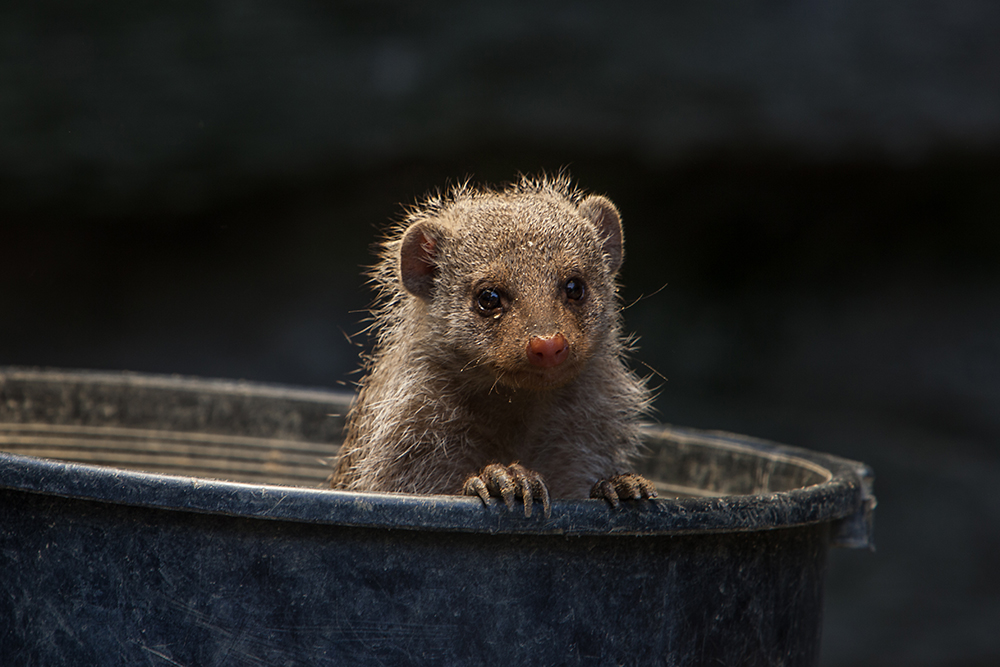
[{"x": 175, "y": 521}]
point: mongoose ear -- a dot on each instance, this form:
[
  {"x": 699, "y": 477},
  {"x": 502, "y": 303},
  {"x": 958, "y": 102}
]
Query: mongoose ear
[
  {"x": 418, "y": 253},
  {"x": 600, "y": 211}
]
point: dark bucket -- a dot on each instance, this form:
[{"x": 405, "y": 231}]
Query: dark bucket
[{"x": 149, "y": 520}]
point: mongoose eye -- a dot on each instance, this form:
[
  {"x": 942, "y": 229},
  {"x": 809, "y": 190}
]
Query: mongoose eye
[
  {"x": 488, "y": 300},
  {"x": 575, "y": 289}
]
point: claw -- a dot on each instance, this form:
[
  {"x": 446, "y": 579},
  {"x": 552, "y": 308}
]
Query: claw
[
  {"x": 526, "y": 494},
  {"x": 502, "y": 484},
  {"x": 624, "y": 487},
  {"x": 475, "y": 486},
  {"x": 509, "y": 483},
  {"x": 605, "y": 490},
  {"x": 543, "y": 491}
]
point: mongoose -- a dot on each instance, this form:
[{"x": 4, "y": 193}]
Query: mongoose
[{"x": 498, "y": 365}]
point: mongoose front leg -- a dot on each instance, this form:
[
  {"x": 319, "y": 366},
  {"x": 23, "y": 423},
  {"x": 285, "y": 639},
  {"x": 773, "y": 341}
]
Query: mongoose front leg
[
  {"x": 509, "y": 482},
  {"x": 623, "y": 487}
]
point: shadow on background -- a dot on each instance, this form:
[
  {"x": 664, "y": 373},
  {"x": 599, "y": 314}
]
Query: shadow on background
[{"x": 810, "y": 199}]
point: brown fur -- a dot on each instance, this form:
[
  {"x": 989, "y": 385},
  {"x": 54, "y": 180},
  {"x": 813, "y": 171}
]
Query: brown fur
[{"x": 450, "y": 389}]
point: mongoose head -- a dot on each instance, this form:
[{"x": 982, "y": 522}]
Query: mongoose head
[{"x": 518, "y": 287}]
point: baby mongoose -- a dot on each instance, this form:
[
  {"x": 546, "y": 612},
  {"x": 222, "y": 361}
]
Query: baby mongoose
[{"x": 498, "y": 367}]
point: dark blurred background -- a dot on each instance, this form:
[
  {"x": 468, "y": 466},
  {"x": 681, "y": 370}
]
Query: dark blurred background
[{"x": 810, "y": 191}]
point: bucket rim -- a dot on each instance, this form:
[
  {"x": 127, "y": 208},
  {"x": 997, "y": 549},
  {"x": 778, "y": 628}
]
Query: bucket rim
[{"x": 844, "y": 498}]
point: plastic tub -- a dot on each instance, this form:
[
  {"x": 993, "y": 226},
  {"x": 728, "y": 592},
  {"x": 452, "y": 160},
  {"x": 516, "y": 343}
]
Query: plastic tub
[{"x": 161, "y": 520}]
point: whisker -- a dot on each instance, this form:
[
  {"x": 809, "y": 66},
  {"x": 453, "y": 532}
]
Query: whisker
[
  {"x": 645, "y": 296},
  {"x": 655, "y": 372}
]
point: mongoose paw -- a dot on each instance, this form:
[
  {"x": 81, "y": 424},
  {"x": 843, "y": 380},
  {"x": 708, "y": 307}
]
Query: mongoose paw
[
  {"x": 623, "y": 487},
  {"x": 509, "y": 482}
]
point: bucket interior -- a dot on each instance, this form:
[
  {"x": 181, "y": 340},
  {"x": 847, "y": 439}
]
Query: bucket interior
[{"x": 261, "y": 435}]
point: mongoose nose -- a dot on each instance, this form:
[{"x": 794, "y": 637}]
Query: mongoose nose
[{"x": 548, "y": 351}]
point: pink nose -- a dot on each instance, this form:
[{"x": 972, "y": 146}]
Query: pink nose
[{"x": 548, "y": 351}]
